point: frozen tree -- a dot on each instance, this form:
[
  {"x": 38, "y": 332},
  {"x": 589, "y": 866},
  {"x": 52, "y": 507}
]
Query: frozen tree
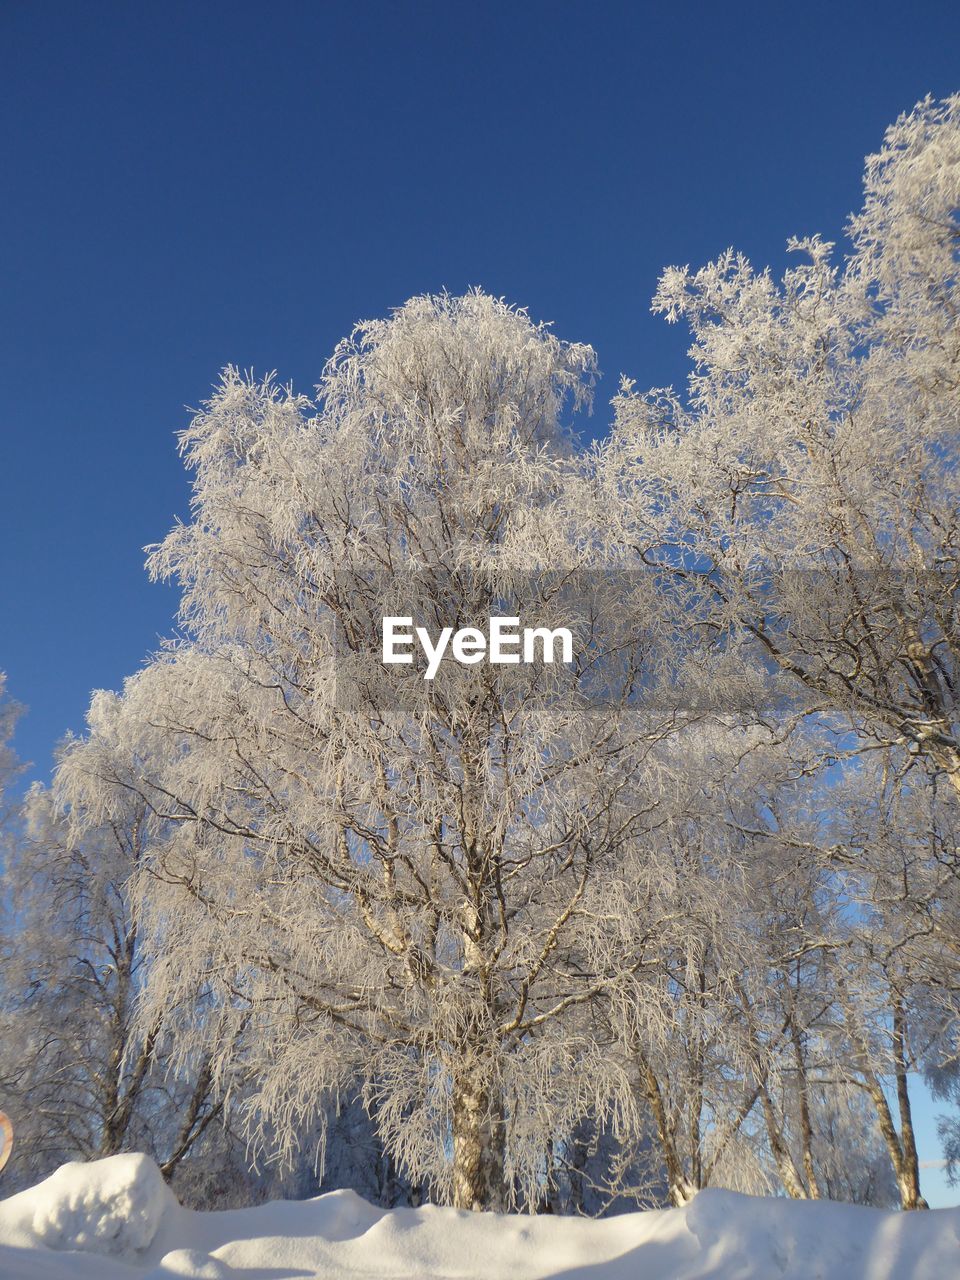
[
  {"x": 82, "y": 1079},
  {"x": 808, "y": 483},
  {"x": 798, "y": 972},
  {"x": 397, "y": 880},
  {"x": 709, "y": 1046},
  {"x": 804, "y": 496},
  {"x": 855, "y": 909},
  {"x": 828, "y": 958}
]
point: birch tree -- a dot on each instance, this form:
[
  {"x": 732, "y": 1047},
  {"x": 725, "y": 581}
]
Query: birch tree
[
  {"x": 808, "y": 481},
  {"x": 82, "y": 1078},
  {"x": 398, "y": 880}
]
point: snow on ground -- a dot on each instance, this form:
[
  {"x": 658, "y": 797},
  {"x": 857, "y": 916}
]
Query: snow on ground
[{"x": 116, "y": 1220}]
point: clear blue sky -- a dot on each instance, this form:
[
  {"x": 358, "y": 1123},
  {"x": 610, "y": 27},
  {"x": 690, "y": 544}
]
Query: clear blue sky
[{"x": 190, "y": 184}]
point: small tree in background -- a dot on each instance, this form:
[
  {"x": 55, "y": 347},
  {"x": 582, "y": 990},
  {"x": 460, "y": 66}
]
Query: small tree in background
[{"x": 82, "y": 1077}]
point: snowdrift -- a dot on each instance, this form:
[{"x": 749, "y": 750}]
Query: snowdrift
[{"x": 116, "y": 1220}]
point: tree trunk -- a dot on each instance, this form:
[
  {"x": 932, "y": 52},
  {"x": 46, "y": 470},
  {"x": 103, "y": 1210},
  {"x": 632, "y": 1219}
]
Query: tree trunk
[
  {"x": 478, "y": 1147},
  {"x": 786, "y": 1166},
  {"x": 908, "y": 1173},
  {"x": 479, "y": 1131},
  {"x": 901, "y": 1146},
  {"x": 908, "y": 1178},
  {"x": 680, "y": 1188},
  {"x": 806, "y": 1127}
]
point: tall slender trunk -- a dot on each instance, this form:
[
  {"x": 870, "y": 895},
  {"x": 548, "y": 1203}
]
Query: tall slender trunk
[
  {"x": 123, "y": 1082},
  {"x": 479, "y": 1128},
  {"x": 194, "y": 1124},
  {"x": 908, "y": 1174},
  {"x": 478, "y": 1145},
  {"x": 786, "y": 1166},
  {"x": 806, "y": 1126},
  {"x": 696, "y": 1092},
  {"x": 901, "y": 1146},
  {"x": 681, "y": 1188}
]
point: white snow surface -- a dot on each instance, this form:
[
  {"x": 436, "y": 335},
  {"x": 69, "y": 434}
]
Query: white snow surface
[{"x": 116, "y": 1220}]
